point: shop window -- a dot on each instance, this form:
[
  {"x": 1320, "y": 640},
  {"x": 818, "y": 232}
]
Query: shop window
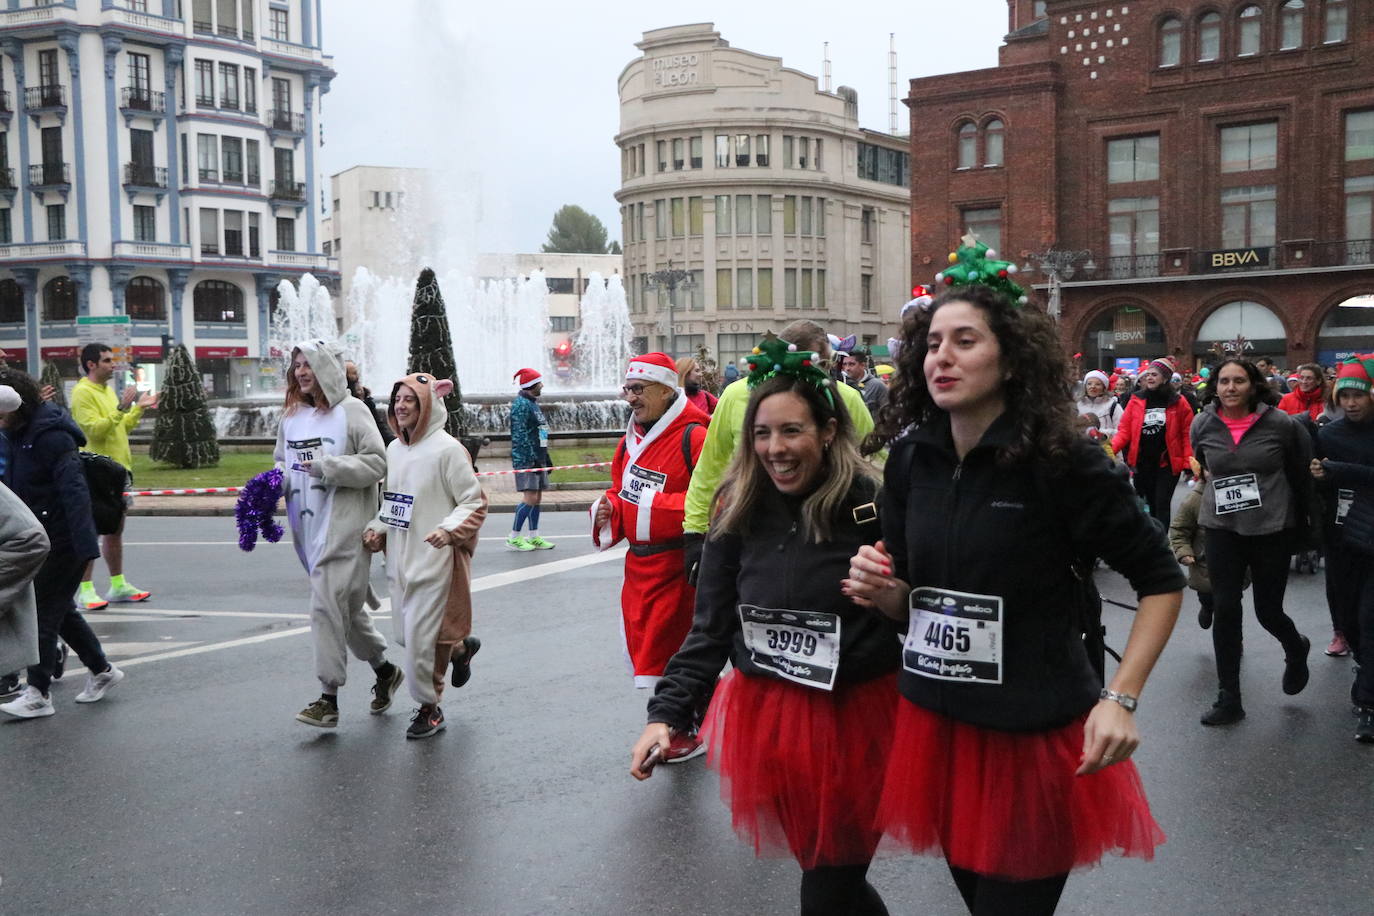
[
  {"x": 215, "y": 301},
  {"x": 145, "y": 299}
]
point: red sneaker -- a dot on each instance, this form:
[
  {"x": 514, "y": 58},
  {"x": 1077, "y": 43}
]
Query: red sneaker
[
  {"x": 683, "y": 746},
  {"x": 1338, "y": 647}
]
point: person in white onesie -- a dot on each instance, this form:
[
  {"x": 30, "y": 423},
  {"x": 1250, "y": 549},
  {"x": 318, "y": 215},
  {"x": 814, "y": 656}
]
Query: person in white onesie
[
  {"x": 332, "y": 459},
  {"x": 432, "y": 509}
]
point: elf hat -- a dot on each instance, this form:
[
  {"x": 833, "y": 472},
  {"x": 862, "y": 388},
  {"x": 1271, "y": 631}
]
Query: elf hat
[
  {"x": 528, "y": 378},
  {"x": 653, "y": 367},
  {"x": 1354, "y": 373}
]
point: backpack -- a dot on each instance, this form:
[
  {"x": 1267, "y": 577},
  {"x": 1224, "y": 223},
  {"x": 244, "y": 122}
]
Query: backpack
[
  {"x": 107, "y": 480},
  {"x": 686, "y": 447}
]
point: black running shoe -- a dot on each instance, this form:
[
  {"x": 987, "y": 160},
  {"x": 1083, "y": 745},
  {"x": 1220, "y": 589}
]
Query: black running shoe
[
  {"x": 9, "y": 685},
  {"x": 1295, "y": 671},
  {"x": 462, "y": 665},
  {"x": 60, "y": 665},
  {"x": 428, "y": 720},
  {"x": 1225, "y": 711},
  {"x": 1364, "y": 732}
]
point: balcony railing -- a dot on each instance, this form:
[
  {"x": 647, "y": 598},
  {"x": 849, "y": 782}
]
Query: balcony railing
[
  {"x": 7, "y": 179},
  {"x": 288, "y": 121},
  {"x": 32, "y": 250},
  {"x": 51, "y": 96},
  {"x": 288, "y": 190},
  {"x": 136, "y": 174},
  {"x": 139, "y": 98},
  {"x": 1128, "y": 267},
  {"x": 157, "y": 250},
  {"x": 302, "y": 259},
  {"x": 1343, "y": 254},
  {"x": 142, "y": 19},
  {"x": 203, "y": 28},
  {"x": 209, "y": 175},
  {"x": 50, "y": 174}
]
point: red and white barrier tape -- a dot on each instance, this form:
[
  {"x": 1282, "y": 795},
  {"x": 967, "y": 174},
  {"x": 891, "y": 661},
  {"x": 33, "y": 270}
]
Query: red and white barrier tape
[{"x": 202, "y": 491}]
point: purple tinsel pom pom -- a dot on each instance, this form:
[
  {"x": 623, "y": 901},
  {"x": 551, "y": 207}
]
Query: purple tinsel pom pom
[{"x": 253, "y": 512}]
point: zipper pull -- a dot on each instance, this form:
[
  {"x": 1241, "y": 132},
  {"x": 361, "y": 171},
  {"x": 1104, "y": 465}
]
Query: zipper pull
[{"x": 958, "y": 469}]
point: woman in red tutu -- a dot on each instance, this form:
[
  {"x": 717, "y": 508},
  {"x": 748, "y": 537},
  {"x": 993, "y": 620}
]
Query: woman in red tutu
[
  {"x": 1010, "y": 758},
  {"x": 801, "y": 728}
]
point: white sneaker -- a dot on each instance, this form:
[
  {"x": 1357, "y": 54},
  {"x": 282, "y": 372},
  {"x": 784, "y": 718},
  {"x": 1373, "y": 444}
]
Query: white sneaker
[
  {"x": 30, "y": 705},
  {"x": 97, "y": 684}
]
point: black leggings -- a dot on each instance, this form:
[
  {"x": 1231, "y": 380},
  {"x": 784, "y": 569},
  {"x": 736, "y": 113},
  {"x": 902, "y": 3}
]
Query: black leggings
[
  {"x": 1266, "y": 556},
  {"x": 990, "y": 897},
  {"x": 839, "y": 890},
  {"x": 1156, "y": 485}
]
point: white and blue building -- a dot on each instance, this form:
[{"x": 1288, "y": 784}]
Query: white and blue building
[{"x": 158, "y": 158}]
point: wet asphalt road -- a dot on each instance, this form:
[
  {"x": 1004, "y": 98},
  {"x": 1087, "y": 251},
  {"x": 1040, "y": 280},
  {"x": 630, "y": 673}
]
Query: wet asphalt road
[{"x": 191, "y": 789}]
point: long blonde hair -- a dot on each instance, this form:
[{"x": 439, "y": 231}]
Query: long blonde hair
[
  {"x": 295, "y": 397},
  {"x": 745, "y": 480}
]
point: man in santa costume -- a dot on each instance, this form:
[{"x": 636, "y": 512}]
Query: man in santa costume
[{"x": 649, "y": 477}]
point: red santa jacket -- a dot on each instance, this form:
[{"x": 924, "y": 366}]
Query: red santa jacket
[
  {"x": 1297, "y": 401},
  {"x": 649, "y": 478},
  {"x": 1178, "y": 420}
]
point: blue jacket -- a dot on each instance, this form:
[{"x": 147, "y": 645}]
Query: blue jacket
[
  {"x": 45, "y": 471},
  {"x": 525, "y": 420}
]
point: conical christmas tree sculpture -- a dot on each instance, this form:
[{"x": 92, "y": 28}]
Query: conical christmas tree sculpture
[
  {"x": 51, "y": 376},
  {"x": 184, "y": 435},
  {"x": 431, "y": 346}
]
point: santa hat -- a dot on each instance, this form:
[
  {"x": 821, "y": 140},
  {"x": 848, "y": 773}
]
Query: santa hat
[
  {"x": 653, "y": 367},
  {"x": 1354, "y": 373},
  {"x": 528, "y": 378},
  {"x": 1100, "y": 376},
  {"x": 9, "y": 399}
]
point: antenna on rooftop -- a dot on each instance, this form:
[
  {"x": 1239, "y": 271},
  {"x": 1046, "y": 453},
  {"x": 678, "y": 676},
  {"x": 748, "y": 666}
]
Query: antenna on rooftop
[
  {"x": 825, "y": 68},
  {"x": 892, "y": 82}
]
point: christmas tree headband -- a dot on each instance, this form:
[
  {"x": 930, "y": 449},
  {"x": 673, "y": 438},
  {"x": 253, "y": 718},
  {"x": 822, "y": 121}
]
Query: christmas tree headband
[
  {"x": 973, "y": 262},
  {"x": 774, "y": 356}
]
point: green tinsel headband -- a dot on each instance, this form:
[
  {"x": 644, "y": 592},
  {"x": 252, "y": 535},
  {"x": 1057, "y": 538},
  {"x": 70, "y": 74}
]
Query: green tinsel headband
[
  {"x": 774, "y": 356},
  {"x": 973, "y": 263}
]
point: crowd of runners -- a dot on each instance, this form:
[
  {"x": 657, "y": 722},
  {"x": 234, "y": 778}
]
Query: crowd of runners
[{"x": 894, "y": 567}]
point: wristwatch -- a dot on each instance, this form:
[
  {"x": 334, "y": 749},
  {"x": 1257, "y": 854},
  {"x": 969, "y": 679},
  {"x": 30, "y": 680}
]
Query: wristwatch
[{"x": 1128, "y": 702}]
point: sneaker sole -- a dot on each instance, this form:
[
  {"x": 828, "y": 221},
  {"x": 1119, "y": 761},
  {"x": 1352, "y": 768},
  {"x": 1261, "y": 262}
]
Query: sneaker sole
[
  {"x": 145, "y": 597},
  {"x": 49, "y": 711},
  {"x": 701, "y": 749},
  {"x": 306, "y": 720},
  {"x": 1330, "y": 654},
  {"x": 95, "y": 606},
  {"x": 519, "y": 549},
  {"x": 390, "y": 694}
]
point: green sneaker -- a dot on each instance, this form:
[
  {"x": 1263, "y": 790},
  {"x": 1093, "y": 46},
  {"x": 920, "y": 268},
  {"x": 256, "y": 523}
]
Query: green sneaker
[
  {"x": 88, "y": 600},
  {"x": 321, "y": 714},
  {"x": 516, "y": 542},
  {"x": 538, "y": 543}
]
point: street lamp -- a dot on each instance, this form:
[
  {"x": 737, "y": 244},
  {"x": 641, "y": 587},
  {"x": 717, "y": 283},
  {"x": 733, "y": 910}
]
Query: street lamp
[
  {"x": 672, "y": 279},
  {"x": 1058, "y": 266}
]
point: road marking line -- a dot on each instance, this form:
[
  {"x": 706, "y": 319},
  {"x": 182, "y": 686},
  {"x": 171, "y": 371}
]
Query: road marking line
[
  {"x": 481, "y": 584},
  {"x": 111, "y": 615}
]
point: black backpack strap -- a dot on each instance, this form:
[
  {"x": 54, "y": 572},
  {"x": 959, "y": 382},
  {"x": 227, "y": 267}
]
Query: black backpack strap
[{"x": 687, "y": 447}]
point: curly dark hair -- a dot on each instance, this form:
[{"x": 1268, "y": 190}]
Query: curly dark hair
[
  {"x": 1260, "y": 391},
  {"x": 1036, "y": 392},
  {"x": 27, "y": 389}
]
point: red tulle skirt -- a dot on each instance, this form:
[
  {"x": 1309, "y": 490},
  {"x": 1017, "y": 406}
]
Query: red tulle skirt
[
  {"x": 1007, "y": 804},
  {"x": 801, "y": 768}
]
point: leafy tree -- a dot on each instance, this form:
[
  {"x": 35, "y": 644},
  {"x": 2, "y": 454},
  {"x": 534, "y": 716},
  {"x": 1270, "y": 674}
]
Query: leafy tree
[
  {"x": 431, "y": 345},
  {"x": 184, "y": 435},
  {"x": 576, "y": 231},
  {"x": 614, "y": 248}
]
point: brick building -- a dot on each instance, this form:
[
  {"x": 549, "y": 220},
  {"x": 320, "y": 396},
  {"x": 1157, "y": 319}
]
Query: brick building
[{"x": 1198, "y": 172}]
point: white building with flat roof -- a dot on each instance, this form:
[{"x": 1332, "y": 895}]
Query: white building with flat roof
[
  {"x": 158, "y": 160},
  {"x": 761, "y": 185}
]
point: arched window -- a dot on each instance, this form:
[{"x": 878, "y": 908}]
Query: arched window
[
  {"x": 968, "y": 145},
  {"x": 1262, "y": 329},
  {"x": 1170, "y": 42},
  {"x": 11, "y": 302},
  {"x": 1251, "y": 28},
  {"x": 59, "y": 299},
  {"x": 1290, "y": 24},
  {"x": 217, "y": 301},
  {"x": 993, "y": 135},
  {"x": 1336, "y": 24},
  {"x": 145, "y": 300},
  {"x": 1209, "y": 37}
]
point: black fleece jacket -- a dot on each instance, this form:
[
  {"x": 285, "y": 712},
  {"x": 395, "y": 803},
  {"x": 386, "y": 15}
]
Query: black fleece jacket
[
  {"x": 775, "y": 566},
  {"x": 1013, "y": 532},
  {"x": 1347, "y": 452}
]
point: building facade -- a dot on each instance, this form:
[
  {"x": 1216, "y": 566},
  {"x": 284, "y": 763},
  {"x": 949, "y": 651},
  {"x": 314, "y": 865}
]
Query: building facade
[
  {"x": 764, "y": 188},
  {"x": 158, "y": 160},
  {"x": 1187, "y": 178}
]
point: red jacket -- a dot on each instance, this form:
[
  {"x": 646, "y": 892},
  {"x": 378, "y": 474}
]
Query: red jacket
[
  {"x": 1178, "y": 420},
  {"x": 1297, "y": 401}
]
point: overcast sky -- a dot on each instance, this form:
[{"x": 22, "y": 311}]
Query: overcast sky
[{"x": 520, "y": 97}]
